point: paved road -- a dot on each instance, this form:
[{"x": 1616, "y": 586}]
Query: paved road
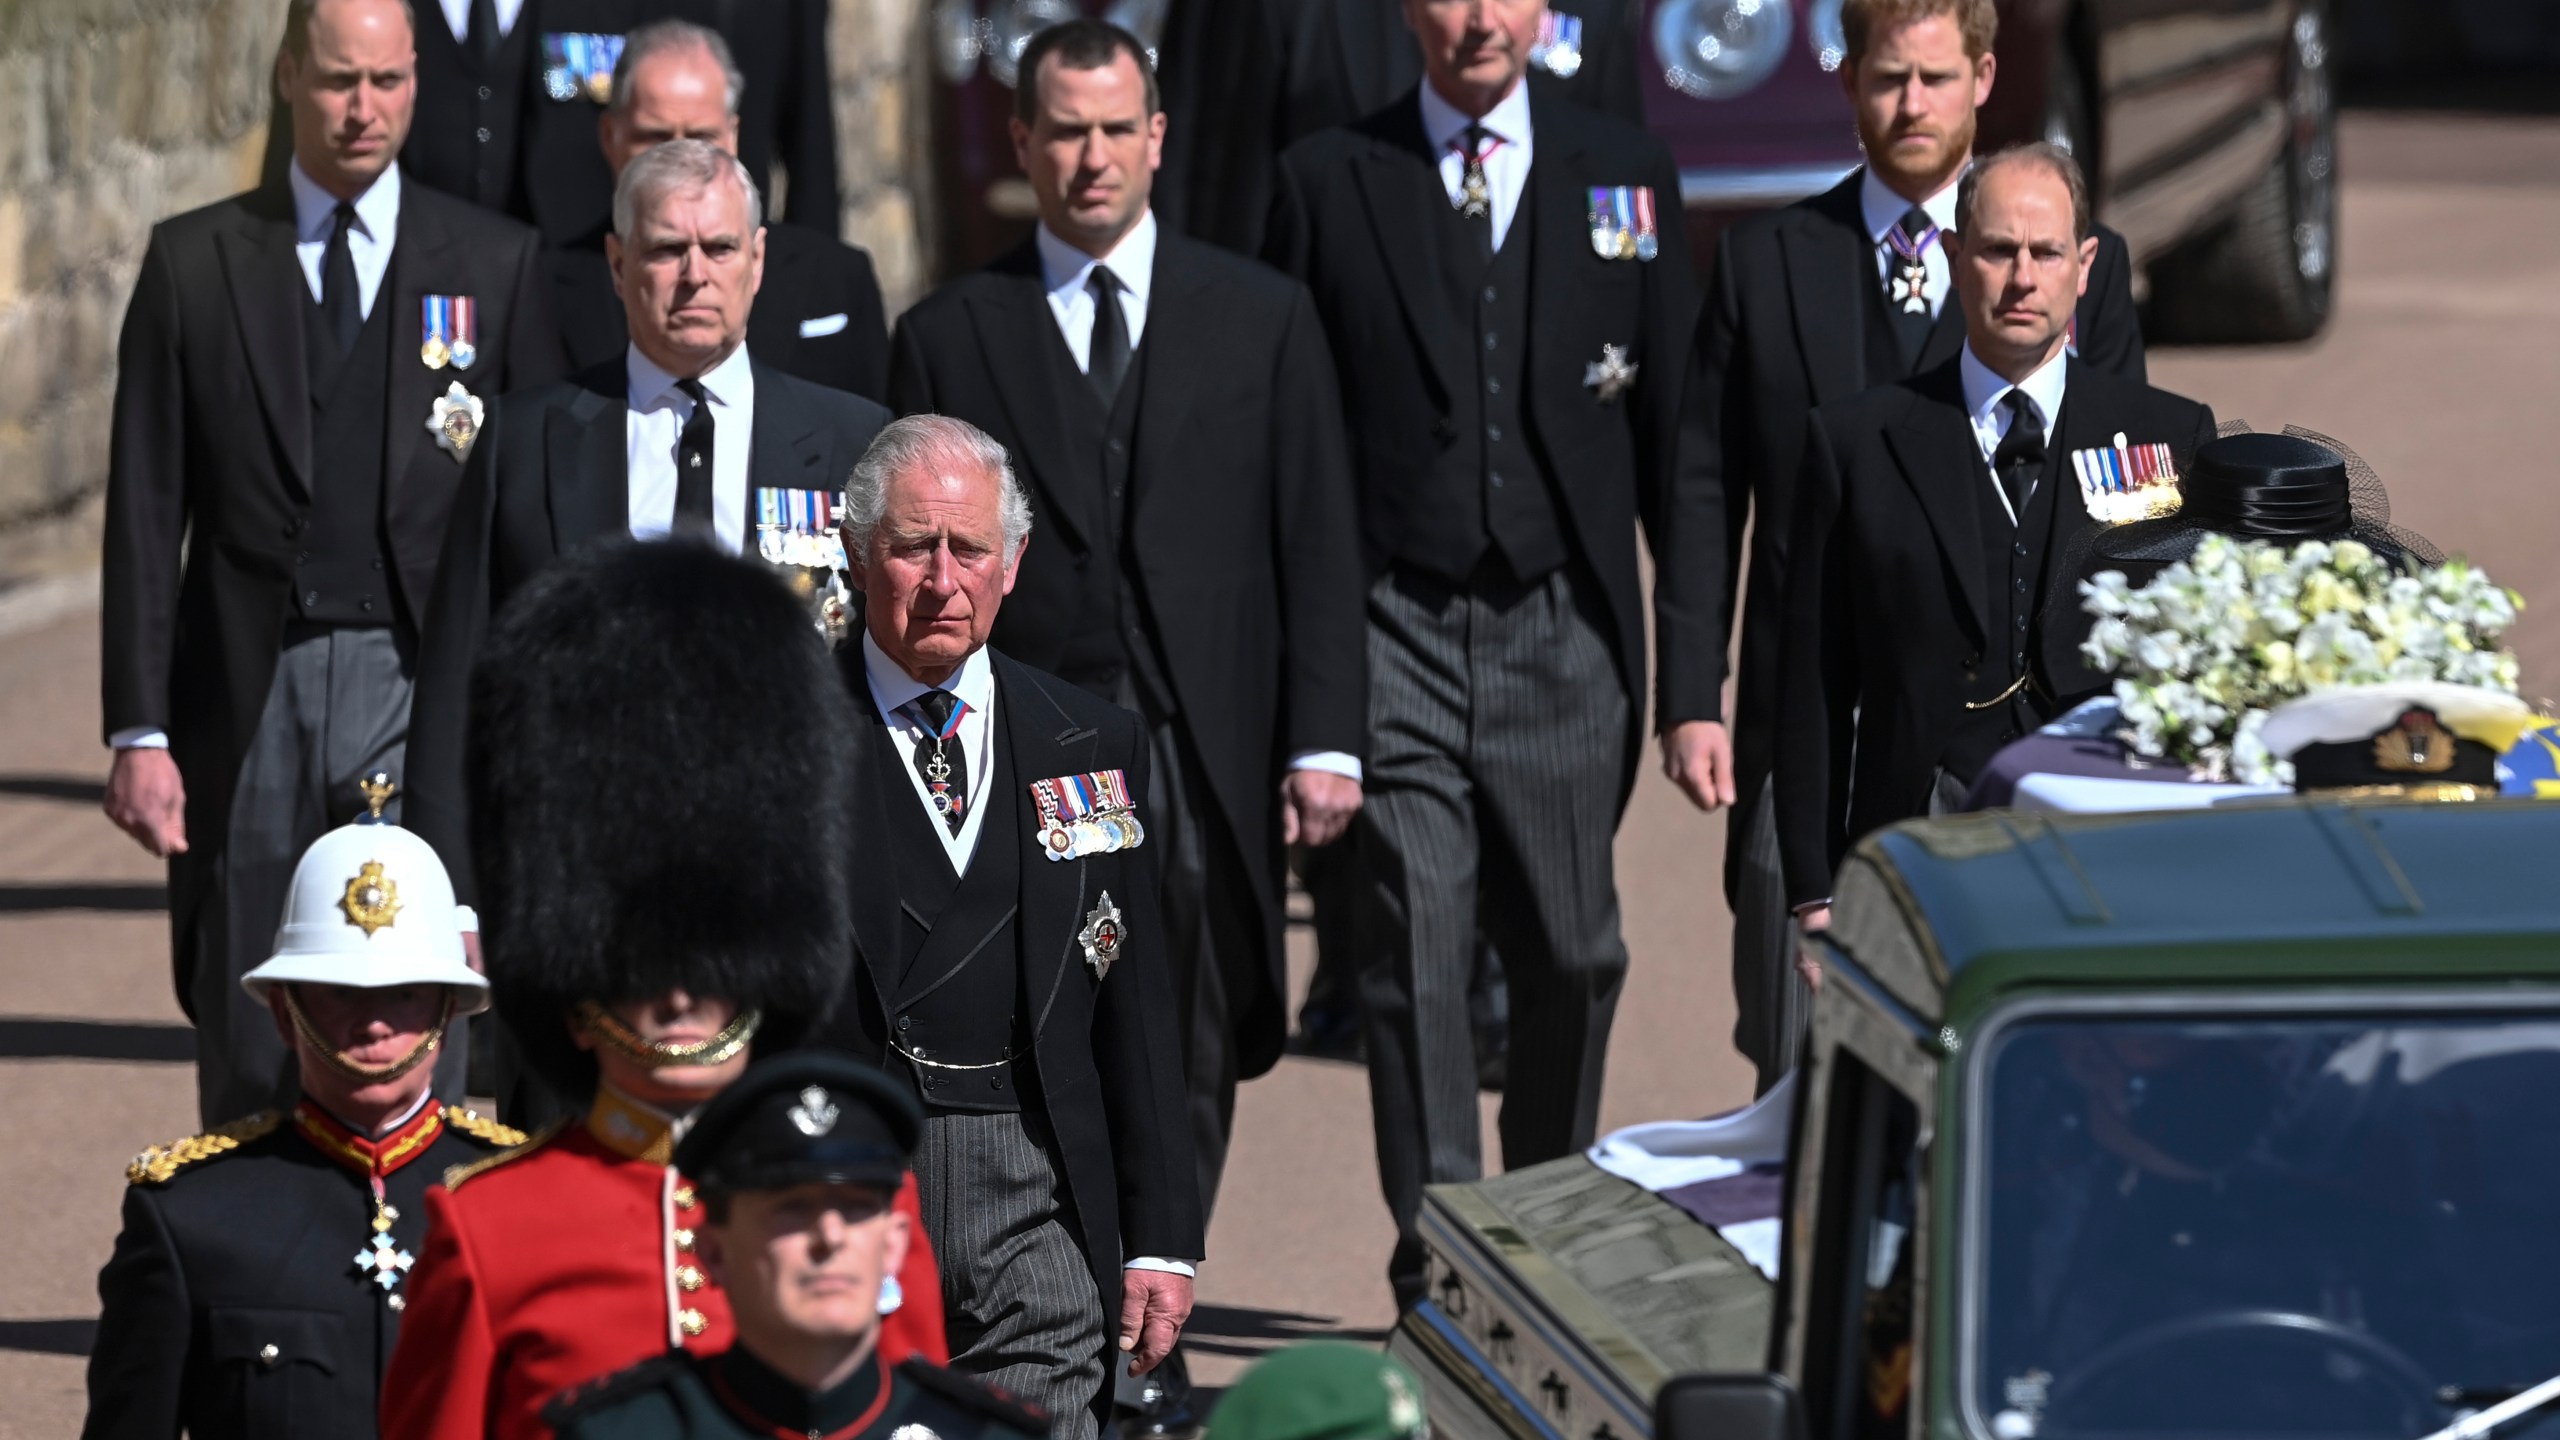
[{"x": 2439, "y": 369}]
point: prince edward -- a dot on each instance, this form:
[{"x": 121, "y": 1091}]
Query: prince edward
[{"x": 1012, "y": 961}]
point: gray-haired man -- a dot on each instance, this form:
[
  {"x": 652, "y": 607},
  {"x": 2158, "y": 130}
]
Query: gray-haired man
[
  {"x": 1013, "y": 961},
  {"x": 682, "y": 434}
]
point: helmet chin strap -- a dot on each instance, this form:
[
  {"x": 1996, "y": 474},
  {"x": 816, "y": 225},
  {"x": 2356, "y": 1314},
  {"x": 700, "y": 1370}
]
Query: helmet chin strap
[
  {"x": 606, "y": 1029},
  {"x": 338, "y": 1060}
]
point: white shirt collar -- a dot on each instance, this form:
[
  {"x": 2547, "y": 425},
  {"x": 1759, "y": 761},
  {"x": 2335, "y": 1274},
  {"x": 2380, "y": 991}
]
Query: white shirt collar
[
  {"x": 1882, "y": 207},
  {"x": 892, "y": 688},
  {"x": 1983, "y": 389},
  {"x": 730, "y": 384},
  {"x": 1064, "y": 268},
  {"x": 315, "y": 209},
  {"x": 1443, "y": 123}
]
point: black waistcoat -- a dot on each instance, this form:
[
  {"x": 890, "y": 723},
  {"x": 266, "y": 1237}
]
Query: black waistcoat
[
  {"x": 1489, "y": 481},
  {"x": 2013, "y": 566},
  {"x": 473, "y": 113},
  {"x": 1111, "y": 639},
  {"x": 341, "y": 571},
  {"x": 1885, "y": 361},
  {"x": 958, "y": 998}
]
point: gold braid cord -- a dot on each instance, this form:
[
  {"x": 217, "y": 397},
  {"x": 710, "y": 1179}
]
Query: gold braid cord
[
  {"x": 481, "y": 1127},
  {"x": 157, "y": 1165},
  {"x": 608, "y": 1031},
  {"x": 454, "y": 1175}
]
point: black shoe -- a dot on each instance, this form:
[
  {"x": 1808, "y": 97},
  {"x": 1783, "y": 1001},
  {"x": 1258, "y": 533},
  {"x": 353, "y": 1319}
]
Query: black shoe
[
  {"x": 1156, "y": 1405},
  {"x": 1329, "y": 1032},
  {"x": 1493, "y": 1060}
]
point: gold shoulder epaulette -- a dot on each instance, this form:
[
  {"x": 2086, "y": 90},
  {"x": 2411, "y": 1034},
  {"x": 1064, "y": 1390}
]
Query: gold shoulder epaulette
[
  {"x": 481, "y": 1127},
  {"x": 455, "y": 1175},
  {"x": 156, "y": 1165}
]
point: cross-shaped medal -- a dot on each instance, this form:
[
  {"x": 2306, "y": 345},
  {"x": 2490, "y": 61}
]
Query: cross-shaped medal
[
  {"x": 1612, "y": 375},
  {"x": 384, "y": 1261},
  {"x": 1911, "y": 287}
]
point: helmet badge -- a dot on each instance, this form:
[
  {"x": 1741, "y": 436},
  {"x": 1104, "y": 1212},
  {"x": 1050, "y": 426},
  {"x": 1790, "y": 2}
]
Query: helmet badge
[{"x": 372, "y": 900}]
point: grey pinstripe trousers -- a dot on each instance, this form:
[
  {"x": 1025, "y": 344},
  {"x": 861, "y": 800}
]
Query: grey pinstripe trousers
[
  {"x": 1018, "y": 1298},
  {"x": 1498, "y": 733}
]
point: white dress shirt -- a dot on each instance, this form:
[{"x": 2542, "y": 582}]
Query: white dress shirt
[
  {"x": 457, "y": 16},
  {"x": 368, "y": 240},
  {"x": 1883, "y": 208},
  {"x": 1064, "y": 271},
  {"x": 656, "y": 419},
  {"x": 1506, "y": 170},
  {"x": 892, "y": 690},
  {"x": 1984, "y": 393}
]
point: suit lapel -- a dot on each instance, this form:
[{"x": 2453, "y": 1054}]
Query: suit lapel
[
  {"x": 268, "y": 292},
  {"x": 1400, "y": 187},
  {"x": 421, "y": 265},
  {"x": 1178, "y": 347},
  {"x": 875, "y": 893},
  {"x": 1935, "y": 450},
  {"x": 1046, "y": 742},
  {"x": 788, "y": 448},
  {"x": 1826, "y": 263},
  {"x": 1015, "y": 329},
  {"x": 1946, "y": 335},
  {"x": 2086, "y": 422},
  {"x": 1557, "y": 212},
  {"x": 586, "y": 461}
]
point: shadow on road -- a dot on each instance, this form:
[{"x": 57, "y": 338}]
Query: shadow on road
[
  {"x": 49, "y": 1337},
  {"x": 135, "y": 896},
  {"x": 23, "y": 1038},
  {"x": 1234, "y": 1330},
  {"x": 70, "y": 788}
]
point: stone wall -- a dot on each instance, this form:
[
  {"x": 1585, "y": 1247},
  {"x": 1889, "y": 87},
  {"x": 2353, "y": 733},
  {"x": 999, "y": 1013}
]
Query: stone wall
[
  {"x": 880, "y": 140},
  {"x": 113, "y": 114}
]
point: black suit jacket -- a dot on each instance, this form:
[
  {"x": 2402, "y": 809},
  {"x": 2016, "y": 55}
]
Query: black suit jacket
[
  {"x": 1784, "y": 329},
  {"x": 549, "y": 476},
  {"x": 786, "y": 115},
  {"x": 818, "y": 314},
  {"x": 1246, "y": 79},
  {"x": 1109, "y": 1057},
  {"x": 210, "y": 475},
  {"x": 254, "y": 1247},
  {"x": 1887, "y": 618},
  {"x": 1354, "y": 220},
  {"x": 1241, "y": 528}
]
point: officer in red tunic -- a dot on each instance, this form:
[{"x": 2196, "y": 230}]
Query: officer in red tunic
[{"x": 657, "y": 786}]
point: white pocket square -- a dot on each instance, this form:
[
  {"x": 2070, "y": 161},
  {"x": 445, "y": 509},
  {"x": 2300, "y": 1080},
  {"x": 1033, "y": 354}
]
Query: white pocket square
[{"x": 823, "y": 325}]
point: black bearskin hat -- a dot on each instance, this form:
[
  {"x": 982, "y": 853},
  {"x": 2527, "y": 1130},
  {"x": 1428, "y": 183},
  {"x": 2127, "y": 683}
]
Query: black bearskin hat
[{"x": 660, "y": 789}]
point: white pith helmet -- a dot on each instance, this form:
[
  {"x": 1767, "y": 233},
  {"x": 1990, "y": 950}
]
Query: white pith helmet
[{"x": 371, "y": 907}]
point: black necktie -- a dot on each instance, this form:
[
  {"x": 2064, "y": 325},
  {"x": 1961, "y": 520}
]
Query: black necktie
[
  {"x": 1475, "y": 192},
  {"x": 941, "y": 759},
  {"x": 341, "y": 303},
  {"x": 1906, "y": 280},
  {"x": 1108, "y": 357},
  {"x": 693, "y": 465},
  {"x": 484, "y": 35},
  {"x": 2019, "y": 458}
]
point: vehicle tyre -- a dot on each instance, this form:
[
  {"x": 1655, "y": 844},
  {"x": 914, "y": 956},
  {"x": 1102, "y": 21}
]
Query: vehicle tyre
[{"x": 2267, "y": 272}]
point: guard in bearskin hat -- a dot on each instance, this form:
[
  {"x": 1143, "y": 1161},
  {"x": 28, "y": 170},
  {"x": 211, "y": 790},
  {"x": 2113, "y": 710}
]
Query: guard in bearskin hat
[{"x": 659, "y": 822}]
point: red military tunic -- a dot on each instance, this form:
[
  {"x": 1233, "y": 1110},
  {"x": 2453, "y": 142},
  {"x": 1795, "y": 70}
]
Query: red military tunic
[{"x": 569, "y": 1259}]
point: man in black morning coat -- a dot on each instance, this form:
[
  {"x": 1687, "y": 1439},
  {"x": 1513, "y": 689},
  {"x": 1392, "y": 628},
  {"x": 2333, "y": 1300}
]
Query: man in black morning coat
[
  {"x": 276, "y": 502},
  {"x": 817, "y": 313},
  {"x": 683, "y": 433},
  {"x": 1246, "y": 79},
  {"x": 1801, "y": 310},
  {"x": 1196, "y": 557},
  {"x": 1512, "y": 398},
  {"x": 1012, "y": 956},
  {"x": 1929, "y": 615}
]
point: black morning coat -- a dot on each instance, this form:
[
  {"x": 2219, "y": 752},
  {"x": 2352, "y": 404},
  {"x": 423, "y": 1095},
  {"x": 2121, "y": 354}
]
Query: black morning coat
[
  {"x": 1888, "y": 615},
  {"x": 252, "y": 1248},
  {"x": 818, "y": 314},
  {"x": 1354, "y": 219},
  {"x": 550, "y": 476},
  {"x": 1246, "y": 79},
  {"x": 1784, "y": 328},
  {"x": 1109, "y": 1055},
  {"x": 210, "y": 476},
  {"x": 786, "y": 115},
  {"x": 1240, "y": 527}
]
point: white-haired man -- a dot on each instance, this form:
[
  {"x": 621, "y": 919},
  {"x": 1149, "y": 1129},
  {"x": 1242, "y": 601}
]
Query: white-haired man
[
  {"x": 682, "y": 434},
  {"x": 1013, "y": 964}
]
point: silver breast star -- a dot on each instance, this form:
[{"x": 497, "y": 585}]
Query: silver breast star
[{"x": 1612, "y": 375}]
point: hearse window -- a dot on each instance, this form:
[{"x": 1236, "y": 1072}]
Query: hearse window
[
  {"x": 2249, "y": 1224},
  {"x": 1859, "y": 1321}
]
